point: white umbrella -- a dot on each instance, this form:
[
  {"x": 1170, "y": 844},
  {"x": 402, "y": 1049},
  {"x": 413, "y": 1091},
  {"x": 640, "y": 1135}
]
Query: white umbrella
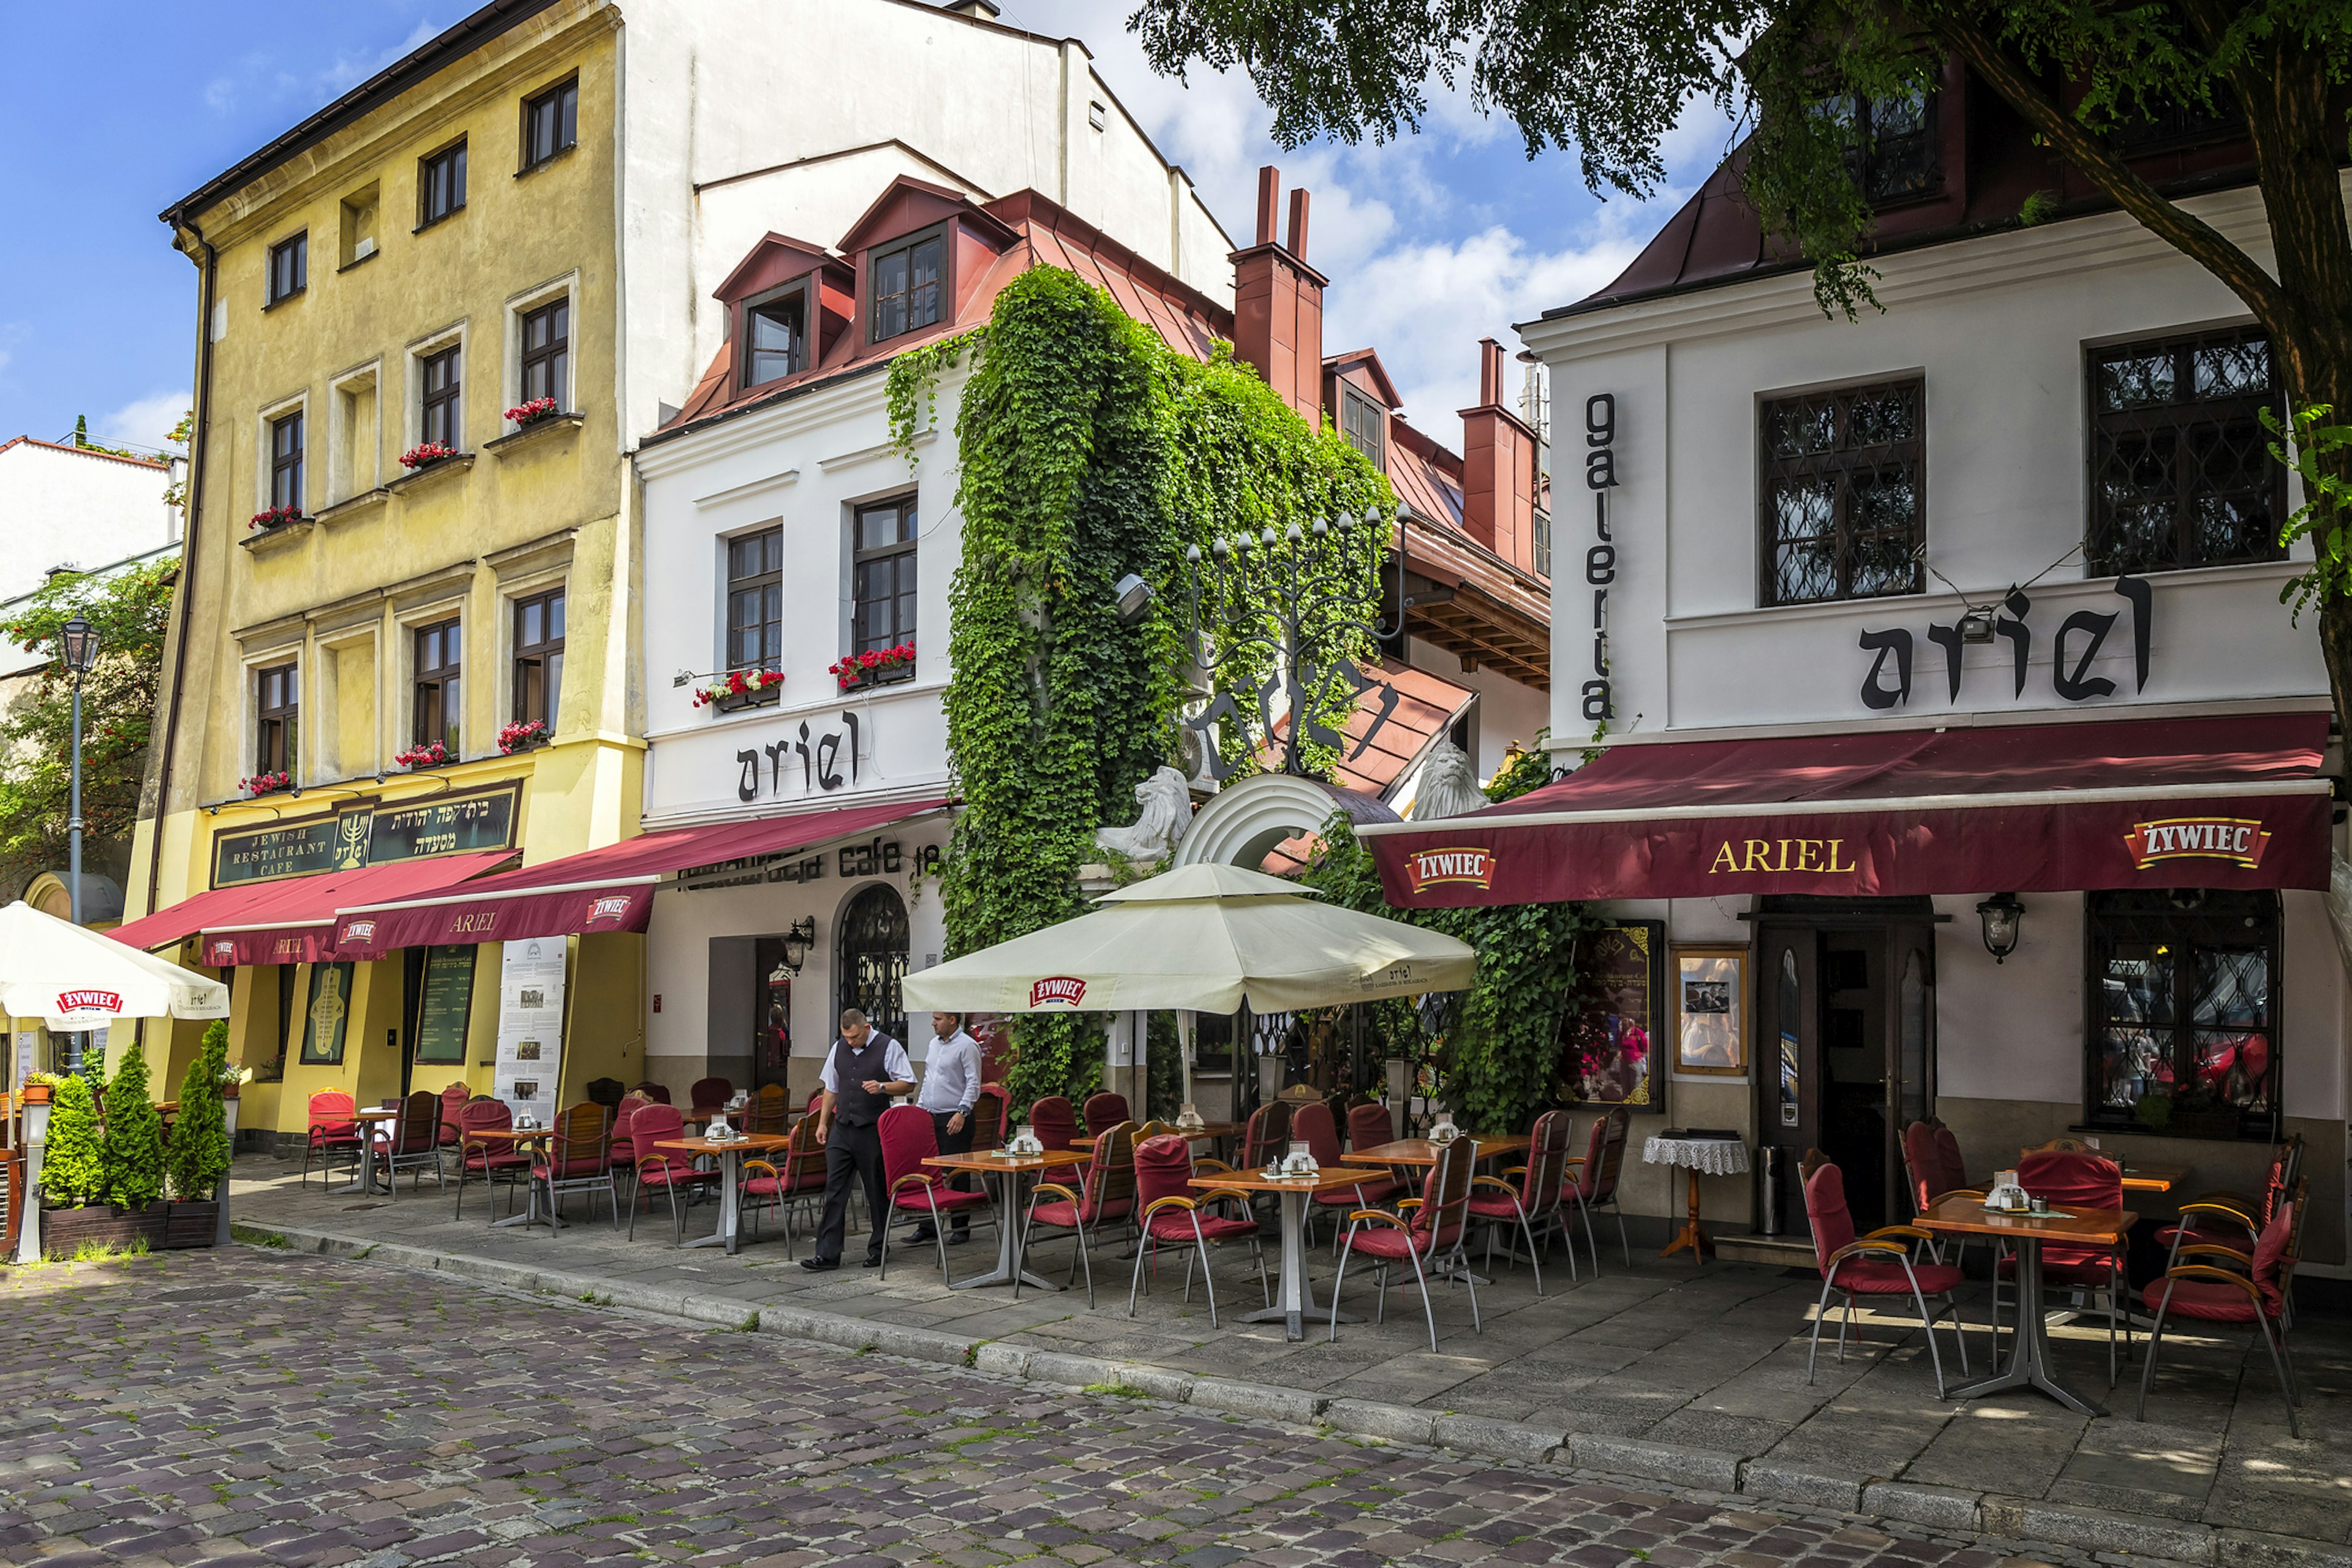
[
  {"x": 1202, "y": 938},
  {"x": 73, "y": 978}
]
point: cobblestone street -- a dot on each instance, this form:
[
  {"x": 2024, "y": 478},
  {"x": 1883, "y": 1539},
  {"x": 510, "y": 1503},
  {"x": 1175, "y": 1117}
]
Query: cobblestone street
[{"x": 252, "y": 1407}]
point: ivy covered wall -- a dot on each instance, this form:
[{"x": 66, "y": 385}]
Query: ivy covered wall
[{"x": 1089, "y": 450}]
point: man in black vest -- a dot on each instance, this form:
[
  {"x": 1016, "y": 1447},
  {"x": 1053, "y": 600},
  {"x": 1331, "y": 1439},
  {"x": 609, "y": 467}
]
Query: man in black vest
[{"x": 865, "y": 1069}]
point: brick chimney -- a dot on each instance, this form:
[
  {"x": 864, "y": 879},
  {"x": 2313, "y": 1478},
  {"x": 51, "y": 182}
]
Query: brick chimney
[
  {"x": 1278, "y": 304},
  {"x": 1498, "y": 468}
]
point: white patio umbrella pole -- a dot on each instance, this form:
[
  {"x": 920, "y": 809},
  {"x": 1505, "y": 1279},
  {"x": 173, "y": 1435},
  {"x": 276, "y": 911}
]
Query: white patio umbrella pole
[{"x": 1184, "y": 1049}]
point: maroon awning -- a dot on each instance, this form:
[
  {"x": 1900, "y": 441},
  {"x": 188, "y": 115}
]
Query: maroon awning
[
  {"x": 292, "y": 919},
  {"x": 611, "y": 889},
  {"x": 2122, "y": 803}
]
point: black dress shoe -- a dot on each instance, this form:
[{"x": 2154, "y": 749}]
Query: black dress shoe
[
  {"x": 957, "y": 1238},
  {"x": 820, "y": 1265},
  {"x": 875, "y": 1261}
]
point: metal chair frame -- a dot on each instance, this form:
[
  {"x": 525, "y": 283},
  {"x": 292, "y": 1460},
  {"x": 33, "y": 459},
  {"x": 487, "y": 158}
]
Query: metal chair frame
[{"x": 1450, "y": 1185}]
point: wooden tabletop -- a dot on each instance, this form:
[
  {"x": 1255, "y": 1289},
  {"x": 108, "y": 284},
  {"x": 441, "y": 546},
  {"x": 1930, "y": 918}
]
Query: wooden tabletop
[
  {"x": 1330, "y": 1178},
  {"x": 504, "y": 1134},
  {"x": 1968, "y": 1216},
  {"x": 2154, "y": 1178},
  {"x": 1423, "y": 1151},
  {"x": 1052, "y": 1159},
  {"x": 375, "y": 1114},
  {"x": 1194, "y": 1135},
  {"x": 750, "y": 1143}
]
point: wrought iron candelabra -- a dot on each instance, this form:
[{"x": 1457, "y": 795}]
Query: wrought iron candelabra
[{"x": 1286, "y": 599}]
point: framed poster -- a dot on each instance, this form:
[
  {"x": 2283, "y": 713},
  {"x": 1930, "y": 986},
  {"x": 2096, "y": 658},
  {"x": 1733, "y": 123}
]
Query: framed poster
[
  {"x": 531, "y": 1025},
  {"x": 330, "y": 1012},
  {"x": 444, "y": 1005},
  {"x": 1610, "y": 1039},
  {"x": 1711, "y": 1011}
]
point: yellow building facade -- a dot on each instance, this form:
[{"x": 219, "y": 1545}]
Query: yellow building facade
[{"x": 427, "y": 257}]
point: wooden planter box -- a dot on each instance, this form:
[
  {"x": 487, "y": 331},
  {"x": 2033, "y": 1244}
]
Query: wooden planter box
[
  {"x": 191, "y": 1225},
  {"x": 64, "y": 1230}
]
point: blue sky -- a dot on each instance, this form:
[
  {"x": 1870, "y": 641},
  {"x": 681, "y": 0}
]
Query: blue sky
[{"x": 112, "y": 109}]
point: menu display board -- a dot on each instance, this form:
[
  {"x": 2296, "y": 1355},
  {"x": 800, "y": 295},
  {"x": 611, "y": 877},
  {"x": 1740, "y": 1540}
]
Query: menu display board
[
  {"x": 370, "y": 835},
  {"x": 1609, "y": 1054},
  {"x": 444, "y": 1005},
  {"x": 327, "y": 1016},
  {"x": 531, "y": 1026}
]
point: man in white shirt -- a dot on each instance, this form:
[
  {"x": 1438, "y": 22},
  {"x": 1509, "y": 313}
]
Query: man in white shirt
[
  {"x": 950, "y": 1088},
  {"x": 862, "y": 1071}
]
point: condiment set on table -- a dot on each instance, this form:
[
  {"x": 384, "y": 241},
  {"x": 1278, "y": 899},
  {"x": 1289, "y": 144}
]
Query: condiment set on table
[
  {"x": 721, "y": 1130},
  {"x": 1023, "y": 1140},
  {"x": 2007, "y": 1197},
  {"x": 1298, "y": 1162}
]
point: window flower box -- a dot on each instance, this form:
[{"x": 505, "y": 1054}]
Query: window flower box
[
  {"x": 425, "y": 454},
  {"x": 741, "y": 688},
  {"x": 522, "y": 735},
  {"x": 537, "y": 411},
  {"x": 875, "y": 667},
  {"x": 266, "y": 784},
  {"x": 274, "y": 516},
  {"x": 426, "y": 754}
]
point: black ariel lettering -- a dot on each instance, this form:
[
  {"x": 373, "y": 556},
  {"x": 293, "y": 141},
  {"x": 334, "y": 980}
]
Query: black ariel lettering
[
  {"x": 2135, "y": 589},
  {"x": 828, "y": 757},
  {"x": 851, "y": 720},
  {"x": 1896, "y": 641},
  {"x": 2021, "y": 639},
  {"x": 2069, "y": 680},
  {"x": 1948, "y": 639},
  {"x": 802, "y": 746},
  {"x": 747, "y": 788}
]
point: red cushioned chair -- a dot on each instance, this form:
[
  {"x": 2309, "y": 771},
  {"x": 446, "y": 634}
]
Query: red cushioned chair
[
  {"x": 415, "y": 1142},
  {"x": 1266, "y": 1138},
  {"x": 1051, "y": 1118},
  {"x": 1533, "y": 1205},
  {"x": 2076, "y": 1180},
  {"x": 453, "y": 1101},
  {"x": 652, "y": 1126},
  {"x": 486, "y": 1160},
  {"x": 1173, "y": 1215},
  {"x": 988, "y": 1117},
  {"x": 625, "y": 1147},
  {"x": 332, "y": 1132},
  {"x": 579, "y": 1159},
  {"x": 1104, "y": 1111},
  {"x": 1933, "y": 1172},
  {"x": 2233, "y": 1220},
  {"x": 653, "y": 1092},
  {"x": 1873, "y": 1265},
  {"x": 1430, "y": 1226},
  {"x": 1107, "y": 1191},
  {"x": 795, "y": 1177},
  {"x": 909, "y": 1138},
  {"x": 2258, "y": 1297},
  {"x": 1312, "y": 1125},
  {"x": 1593, "y": 1182},
  {"x": 709, "y": 1095}
]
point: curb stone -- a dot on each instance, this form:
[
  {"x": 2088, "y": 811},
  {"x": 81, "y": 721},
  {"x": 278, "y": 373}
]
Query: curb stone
[{"x": 2007, "y": 1522}]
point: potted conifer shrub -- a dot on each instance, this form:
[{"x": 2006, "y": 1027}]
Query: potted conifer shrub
[
  {"x": 73, "y": 1171},
  {"x": 134, "y": 1151},
  {"x": 198, "y": 1154}
]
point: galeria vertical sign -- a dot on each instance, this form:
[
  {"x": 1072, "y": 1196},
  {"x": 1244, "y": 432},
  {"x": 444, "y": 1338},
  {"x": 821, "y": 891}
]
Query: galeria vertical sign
[{"x": 1601, "y": 560}]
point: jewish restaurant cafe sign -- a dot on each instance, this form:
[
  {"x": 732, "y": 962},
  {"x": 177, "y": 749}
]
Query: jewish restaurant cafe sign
[
  {"x": 2212, "y": 803},
  {"x": 369, "y": 835}
]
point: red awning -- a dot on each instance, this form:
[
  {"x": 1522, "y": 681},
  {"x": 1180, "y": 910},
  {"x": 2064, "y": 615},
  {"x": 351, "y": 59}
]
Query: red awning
[
  {"x": 611, "y": 889},
  {"x": 291, "y": 920},
  {"x": 2124, "y": 803}
]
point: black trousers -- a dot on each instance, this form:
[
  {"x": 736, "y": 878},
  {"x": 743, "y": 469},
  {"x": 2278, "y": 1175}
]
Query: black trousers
[
  {"x": 952, "y": 1143},
  {"x": 850, "y": 1153}
]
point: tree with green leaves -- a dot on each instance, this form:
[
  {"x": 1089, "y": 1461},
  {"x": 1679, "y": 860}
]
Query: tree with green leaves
[
  {"x": 199, "y": 1151},
  {"x": 73, "y": 1167},
  {"x": 130, "y": 612},
  {"x": 1609, "y": 78},
  {"x": 133, "y": 1159}
]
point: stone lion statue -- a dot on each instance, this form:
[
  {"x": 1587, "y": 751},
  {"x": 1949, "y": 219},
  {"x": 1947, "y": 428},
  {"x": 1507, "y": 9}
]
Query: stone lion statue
[
  {"x": 1449, "y": 785},
  {"x": 1167, "y": 805}
]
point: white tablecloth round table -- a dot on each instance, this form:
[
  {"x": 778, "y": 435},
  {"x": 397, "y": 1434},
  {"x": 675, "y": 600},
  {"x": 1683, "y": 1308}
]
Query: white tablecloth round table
[{"x": 1700, "y": 1157}]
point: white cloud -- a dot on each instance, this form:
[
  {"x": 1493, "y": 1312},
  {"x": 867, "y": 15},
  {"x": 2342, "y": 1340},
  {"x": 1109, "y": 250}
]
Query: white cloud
[
  {"x": 347, "y": 71},
  {"x": 142, "y": 422},
  {"x": 220, "y": 95}
]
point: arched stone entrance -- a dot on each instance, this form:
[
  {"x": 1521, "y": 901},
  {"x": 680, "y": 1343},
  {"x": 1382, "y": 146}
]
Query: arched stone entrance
[{"x": 1247, "y": 818}]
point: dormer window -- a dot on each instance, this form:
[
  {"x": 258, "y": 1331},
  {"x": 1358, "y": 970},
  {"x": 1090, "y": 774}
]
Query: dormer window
[
  {"x": 775, "y": 336},
  {"x": 1365, "y": 425},
  {"x": 905, "y": 279}
]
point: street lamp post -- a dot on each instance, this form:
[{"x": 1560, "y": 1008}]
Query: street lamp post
[{"x": 78, "y": 645}]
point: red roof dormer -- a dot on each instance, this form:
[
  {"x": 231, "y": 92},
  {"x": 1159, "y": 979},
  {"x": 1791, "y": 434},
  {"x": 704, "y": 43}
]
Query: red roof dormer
[
  {"x": 920, "y": 250},
  {"x": 787, "y": 303}
]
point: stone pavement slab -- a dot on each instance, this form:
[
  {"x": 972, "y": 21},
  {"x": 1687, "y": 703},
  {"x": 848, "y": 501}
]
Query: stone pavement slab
[{"x": 1670, "y": 1370}]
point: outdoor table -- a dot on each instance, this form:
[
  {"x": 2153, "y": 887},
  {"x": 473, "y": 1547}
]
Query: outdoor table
[
  {"x": 1715, "y": 1157},
  {"x": 1011, "y": 1263},
  {"x": 2154, "y": 1178},
  {"x": 520, "y": 1139},
  {"x": 366, "y": 1180},
  {"x": 1294, "y": 1298},
  {"x": 2029, "y": 1354},
  {"x": 730, "y": 1154}
]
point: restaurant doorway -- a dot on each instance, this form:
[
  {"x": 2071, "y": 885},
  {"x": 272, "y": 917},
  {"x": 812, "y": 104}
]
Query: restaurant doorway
[
  {"x": 1846, "y": 1022},
  {"x": 771, "y": 1013}
]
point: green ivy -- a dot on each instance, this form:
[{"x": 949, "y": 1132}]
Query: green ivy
[
  {"x": 73, "y": 1168},
  {"x": 1089, "y": 449},
  {"x": 199, "y": 1151},
  {"x": 134, "y": 1135}
]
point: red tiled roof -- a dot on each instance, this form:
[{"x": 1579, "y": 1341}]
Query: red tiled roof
[
  {"x": 85, "y": 452},
  {"x": 1399, "y": 730}
]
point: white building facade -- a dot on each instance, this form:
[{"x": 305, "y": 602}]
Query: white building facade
[{"x": 2000, "y": 530}]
